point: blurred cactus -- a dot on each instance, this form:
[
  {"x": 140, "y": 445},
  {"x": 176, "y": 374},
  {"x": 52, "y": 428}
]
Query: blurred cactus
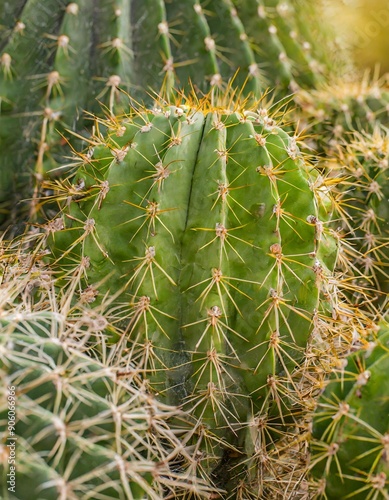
[
  {"x": 86, "y": 424},
  {"x": 169, "y": 322},
  {"x": 59, "y": 60}
]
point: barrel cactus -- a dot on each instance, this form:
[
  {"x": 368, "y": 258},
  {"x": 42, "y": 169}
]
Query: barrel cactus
[
  {"x": 58, "y": 60},
  {"x": 350, "y": 428},
  {"x": 332, "y": 112},
  {"x": 76, "y": 422},
  {"x": 82, "y": 429}
]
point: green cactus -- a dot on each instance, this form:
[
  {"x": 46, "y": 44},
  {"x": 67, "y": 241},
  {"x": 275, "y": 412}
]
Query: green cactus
[
  {"x": 331, "y": 112},
  {"x": 347, "y": 125},
  {"x": 350, "y": 450},
  {"x": 84, "y": 428},
  {"x": 207, "y": 228},
  {"x": 58, "y": 60}
]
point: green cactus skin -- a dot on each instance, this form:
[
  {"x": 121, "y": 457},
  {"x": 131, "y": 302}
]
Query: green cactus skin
[
  {"x": 59, "y": 59},
  {"x": 350, "y": 457},
  {"x": 207, "y": 228}
]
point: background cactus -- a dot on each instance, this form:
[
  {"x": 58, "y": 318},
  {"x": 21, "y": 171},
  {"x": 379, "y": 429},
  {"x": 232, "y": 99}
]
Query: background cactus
[
  {"x": 189, "y": 254},
  {"x": 364, "y": 165},
  {"x": 350, "y": 426},
  {"x": 83, "y": 431},
  {"x": 331, "y": 113},
  {"x": 58, "y": 60}
]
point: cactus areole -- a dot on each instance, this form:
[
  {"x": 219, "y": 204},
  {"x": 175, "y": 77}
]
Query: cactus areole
[{"x": 206, "y": 227}]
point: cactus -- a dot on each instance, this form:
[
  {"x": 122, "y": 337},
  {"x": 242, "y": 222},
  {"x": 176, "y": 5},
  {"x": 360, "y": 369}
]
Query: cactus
[
  {"x": 350, "y": 450},
  {"x": 347, "y": 125},
  {"x": 206, "y": 227},
  {"x": 187, "y": 258},
  {"x": 332, "y": 111},
  {"x": 364, "y": 162},
  {"x": 83, "y": 430},
  {"x": 58, "y": 60}
]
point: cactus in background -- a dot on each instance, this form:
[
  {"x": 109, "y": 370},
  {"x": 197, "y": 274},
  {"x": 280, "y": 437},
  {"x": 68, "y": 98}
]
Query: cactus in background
[
  {"x": 364, "y": 163},
  {"x": 207, "y": 228},
  {"x": 83, "y": 430},
  {"x": 331, "y": 112},
  {"x": 56, "y": 60},
  {"x": 350, "y": 450}
]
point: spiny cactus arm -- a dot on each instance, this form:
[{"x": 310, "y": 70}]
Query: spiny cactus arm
[
  {"x": 211, "y": 231},
  {"x": 36, "y": 17},
  {"x": 68, "y": 85},
  {"x": 112, "y": 65},
  {"x": 17, "y": 92},
  {"x": 297, "y": 51}
]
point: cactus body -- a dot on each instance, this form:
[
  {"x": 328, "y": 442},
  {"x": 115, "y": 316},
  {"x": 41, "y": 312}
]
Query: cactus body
[
  {"x": 331, "y": 112},
  {"x": 350, "y": 427},
  {"x": 348, "y": 124},
  {"x": 206, "y": 227},
  {"x": 365, "y": 164}
]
